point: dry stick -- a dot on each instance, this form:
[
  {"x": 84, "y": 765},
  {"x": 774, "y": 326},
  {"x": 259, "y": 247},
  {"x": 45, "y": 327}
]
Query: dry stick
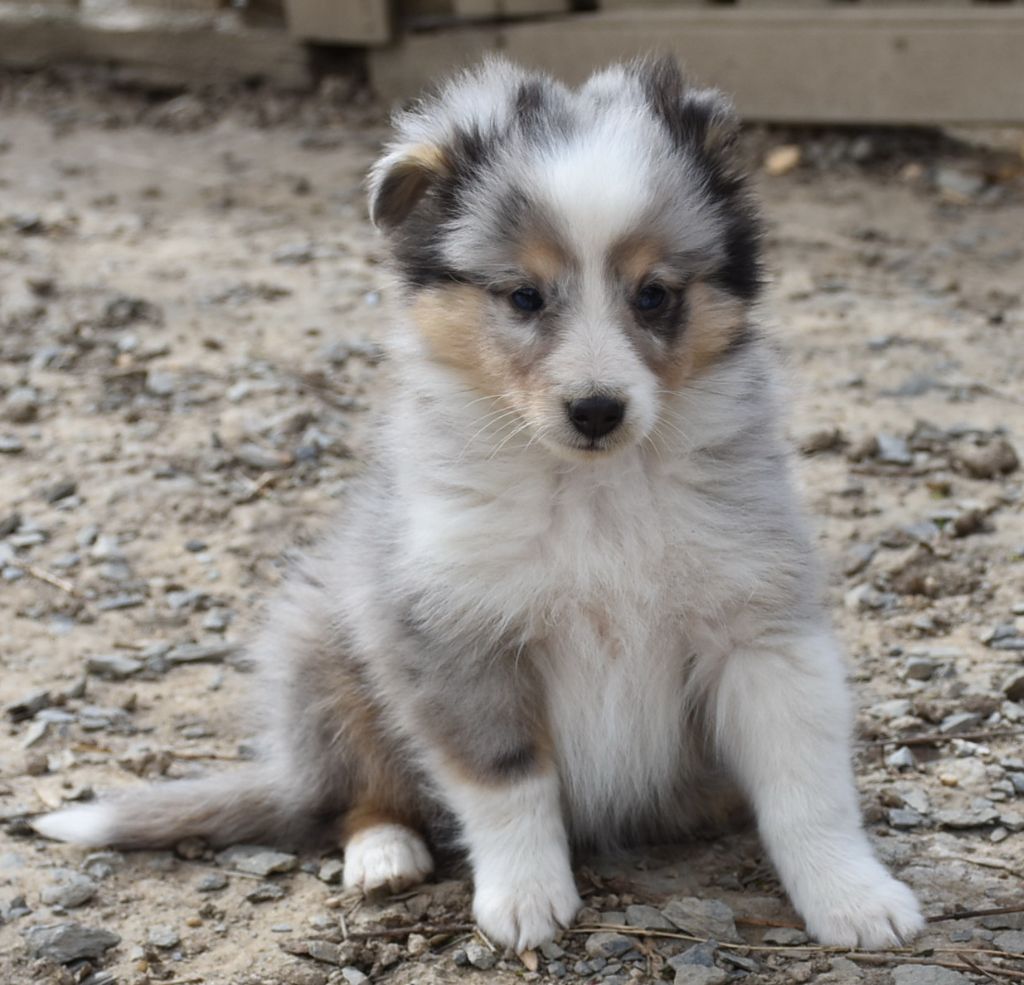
[
  {"x": 966, "y": 965},
  {"x": 41, "y": 574},
  {"x": 985, "y": 863},
  {"x": 928, "y": 738},
  {"x": 995, "y": 911},
  {"x": 978, "y": 968}
]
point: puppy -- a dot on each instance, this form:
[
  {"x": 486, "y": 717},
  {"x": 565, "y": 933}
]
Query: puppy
[{"x": 574, "y": 597}]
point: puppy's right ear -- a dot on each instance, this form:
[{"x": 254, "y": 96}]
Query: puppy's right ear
[{"x": 401, "y": 178}]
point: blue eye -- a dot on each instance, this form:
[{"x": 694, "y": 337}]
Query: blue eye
[
  {"x": 526, "y": 299},
  {"x": 650, "y": 298}
]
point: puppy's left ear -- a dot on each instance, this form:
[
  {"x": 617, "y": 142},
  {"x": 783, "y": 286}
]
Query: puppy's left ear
[
  {"x": 401, "y": 178},
  {"x": 702, "y": 120}
]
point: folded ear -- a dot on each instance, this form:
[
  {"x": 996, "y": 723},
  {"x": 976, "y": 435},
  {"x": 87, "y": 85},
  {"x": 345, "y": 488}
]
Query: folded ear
[
  {"x": 401, "y": 178},
  {"x": 697, "y": 119}
]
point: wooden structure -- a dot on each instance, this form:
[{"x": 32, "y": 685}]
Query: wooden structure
[{"x": 827, "y": 61}]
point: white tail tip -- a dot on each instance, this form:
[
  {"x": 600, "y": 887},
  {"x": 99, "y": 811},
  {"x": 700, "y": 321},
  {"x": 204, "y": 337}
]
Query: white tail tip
[{"x": 90, "y": 825}]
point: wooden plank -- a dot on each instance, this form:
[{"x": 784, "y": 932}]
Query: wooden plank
[
  {"x": 340, "y": 21},
  {"x": 832, "y": 66},
  {"x": 155, "y": 47}
]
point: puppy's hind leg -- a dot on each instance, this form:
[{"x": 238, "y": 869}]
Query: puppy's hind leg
[{"x": 783, "y": 725}]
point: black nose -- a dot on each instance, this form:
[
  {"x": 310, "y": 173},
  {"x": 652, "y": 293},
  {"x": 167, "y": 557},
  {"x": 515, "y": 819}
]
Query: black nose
[{"x": 595, "y": 417}]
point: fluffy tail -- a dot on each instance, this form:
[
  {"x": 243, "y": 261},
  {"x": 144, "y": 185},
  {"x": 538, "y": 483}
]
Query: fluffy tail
[{"x": 237, "y": 806}]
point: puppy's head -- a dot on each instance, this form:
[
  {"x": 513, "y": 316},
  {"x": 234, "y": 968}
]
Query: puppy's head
[{"x": 579, "y": 255}]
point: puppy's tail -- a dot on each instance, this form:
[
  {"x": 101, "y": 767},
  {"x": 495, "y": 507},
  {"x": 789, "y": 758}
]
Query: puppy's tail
[{"x": 237, "y": 806}]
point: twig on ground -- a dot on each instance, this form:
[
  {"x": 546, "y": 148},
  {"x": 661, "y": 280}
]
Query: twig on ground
[
  {"x": 930, "y": 738},
  {"x": 995, "y": 911},
  {"x": 41, "y": 574}
]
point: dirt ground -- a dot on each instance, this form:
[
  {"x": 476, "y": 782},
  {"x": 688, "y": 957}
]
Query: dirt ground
[{"x": 190, "y": 302}]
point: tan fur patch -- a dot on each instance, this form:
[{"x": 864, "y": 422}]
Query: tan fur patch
[
  {"x": 451, "y": 321},
  {"x": 634, "y": 257},
  {"x": 544, "y": 259},
  {"x": 714, "y": 321}
]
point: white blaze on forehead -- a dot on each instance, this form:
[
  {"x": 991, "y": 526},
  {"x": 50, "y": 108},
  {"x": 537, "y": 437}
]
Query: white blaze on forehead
[{"x": 598, "y": 184}]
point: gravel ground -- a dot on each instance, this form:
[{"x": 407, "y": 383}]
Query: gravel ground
[{"x": 190, "y": 300}]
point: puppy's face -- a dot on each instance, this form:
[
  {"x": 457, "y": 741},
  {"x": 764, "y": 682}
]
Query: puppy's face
[{"x": 576, "y": 256}]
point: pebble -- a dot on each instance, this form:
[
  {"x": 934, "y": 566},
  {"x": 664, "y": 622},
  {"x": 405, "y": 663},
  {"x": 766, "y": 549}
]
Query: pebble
[
  {"x": 704, "y": 918},
  {"x": 556, "y": 969},
  {"x": 698, "y": 975},
  {"x": 961, "y": 722},
  {"x": 66, "y": 942},
  {"x": 163, "y": 936},
  {"x": 353, "y": 975},
  {"x": 29, "y": 706},
  {"x": 1010, "y": 940},
  {"x": 331, "y": 870},
  {"x": 782, "y": 159},
  {"x": 964, "y": 818},
  {"x": 647, "y": 917},
  {"x": 702, "y": 955},
  {"x": 857, "y": 558},
  {"x": 10, "y": 445},
  {"x": 113, "y": 666},
  {"x": 892, "y": 450},
  {"x": 920, "y": 668},
  {"x": 903, "y": 819},
  {"x": 927, "y": 974},
  {"x": 958, "y": 186},
  {"x": 265, "y": 892},
  {"x": 212, "y": 882},
  {"x": 71, "y": 891},
  {"x": 608, "y": 945},
  {"x": 1013, "y": 686},
  {"x": 901, "y": 759},
  {"x": 988, "y": 461},
  {"x": 191, "y": 653},
  {"x": 479, "y": 956},
  {"x": 22, "y": 405},
  {"x": 416, "y": 945},
  {"x": 785, "y": 936},
  {"x": 256, "y": 860}
]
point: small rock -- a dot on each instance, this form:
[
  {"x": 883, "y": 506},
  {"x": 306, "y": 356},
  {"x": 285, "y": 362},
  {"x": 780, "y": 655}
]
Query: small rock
[
  {"x": 66, "y": 942},
  {"x": 29, "y": 706},
  {"x": 353, "y": 975},
  {"x": 1013, "y": 686},
  {"x": 60, "y": 490},
  {"x": 961, "y": 722},
  {"x": 996, "y": 458},
  {"x": 920, "y": 668},
  {"x": 857, "y": 558},
  {"x": 785, "y": 936},
  {"x": 73, "y": 890},
  {"x": 22, "y": 405},
  {"x": 113, "y": 666},
  {"x": 191, "y": 653},
  {"x": 416, "y": 945},
  {"x": 927, "y": 974},
  {"x": 1010, "y": 940},
  {"x": 331, "y": 870},
  {"x": 782, "y": 159},
  {"x": 901, "y": 759},
  {"x": 823, "y": 439},
  {"x": 608, "y": 945},
  {"x": 265, "y": 892},
  {"x": 893, "y": 450},
  {"x": 965, "y": 818},
  {"x": 256, "y": 860},
  {"x": 647, "y": 917},
  {"x": 479, "y": 956},
  {"x": 704, "y": 918},
  {"x": 10, "y": 445},
  {"x": 264, "y": 459},
  {"x": 212, "y": 882},
  {"x": 702, "y": 955},
  {"x": 698, "y": 975},
  {"x": 163, "y": 936},
  {"x": 903, "y": 819}
]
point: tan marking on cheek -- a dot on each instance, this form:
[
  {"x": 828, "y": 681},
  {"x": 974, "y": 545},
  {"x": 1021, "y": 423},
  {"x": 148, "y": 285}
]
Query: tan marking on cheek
[
  {"x": 714, "y": 319},
  {"x": 452, "y": 322}
]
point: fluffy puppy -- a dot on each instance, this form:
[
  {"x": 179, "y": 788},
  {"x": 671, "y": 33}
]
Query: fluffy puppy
[{"x": 574, "y": 595}]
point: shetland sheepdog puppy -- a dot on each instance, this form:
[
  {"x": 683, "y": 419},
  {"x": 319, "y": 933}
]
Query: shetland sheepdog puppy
[{"x": 573, "y": 601}]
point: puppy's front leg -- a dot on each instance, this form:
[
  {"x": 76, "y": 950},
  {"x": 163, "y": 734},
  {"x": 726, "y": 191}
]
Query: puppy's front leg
[
  {"x": 783, "y": 723},
  {"x": 489, "y": 756}
]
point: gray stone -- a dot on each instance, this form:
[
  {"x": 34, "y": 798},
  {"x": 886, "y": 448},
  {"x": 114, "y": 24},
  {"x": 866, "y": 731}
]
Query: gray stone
[
  {"x": 963, "y": 818},
  {"x": 191, "y": 653},
  {"x": 698, "y": 975},
  {"x": 927, "y": 974},
  {"x": 901, "y": 759},
  {"x": 785, "y": 936},
  {"x": 556, "y": 969},
  {"x": 703, "y": 918},
  {"x": 479, "y": 956},
  {"x": 163, "y": 936},
  {"x": 857, "y": 558},
  {"x": 70, "y": 891},
  {"x": 353, "y": 975},
  {"x": 331, "y": 870},
  {"x": 903, "y": 819},
  {"x": 265, "y": 892},
  {"x": 66, "y": 942},
  {"x": 962, "y": 722},
  {"x": 608, "y": 945},
  {"x": 700, "y": 954},
  {"x": 1010, "y": 940},
  {"x": 647, "y": 917},
  {"x": 22, "y": 404},
  {"x": 1013, "y": 686},
  {"x": 893, "y": 450},
  {"x": 113, "y": 666},
  {"x": 212, "y": 882},
  {"x": 920, "y": 668}
]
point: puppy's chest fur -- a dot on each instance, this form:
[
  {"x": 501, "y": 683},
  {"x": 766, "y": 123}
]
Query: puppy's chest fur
[{"x": 612, "y": 582}]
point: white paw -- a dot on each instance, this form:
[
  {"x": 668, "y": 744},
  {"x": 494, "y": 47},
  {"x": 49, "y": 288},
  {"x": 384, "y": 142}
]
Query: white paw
[
  {"x": 386, "y": 857},
  {"x": 855, "y": 912},
  {"x": 522, "y": 911}
]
